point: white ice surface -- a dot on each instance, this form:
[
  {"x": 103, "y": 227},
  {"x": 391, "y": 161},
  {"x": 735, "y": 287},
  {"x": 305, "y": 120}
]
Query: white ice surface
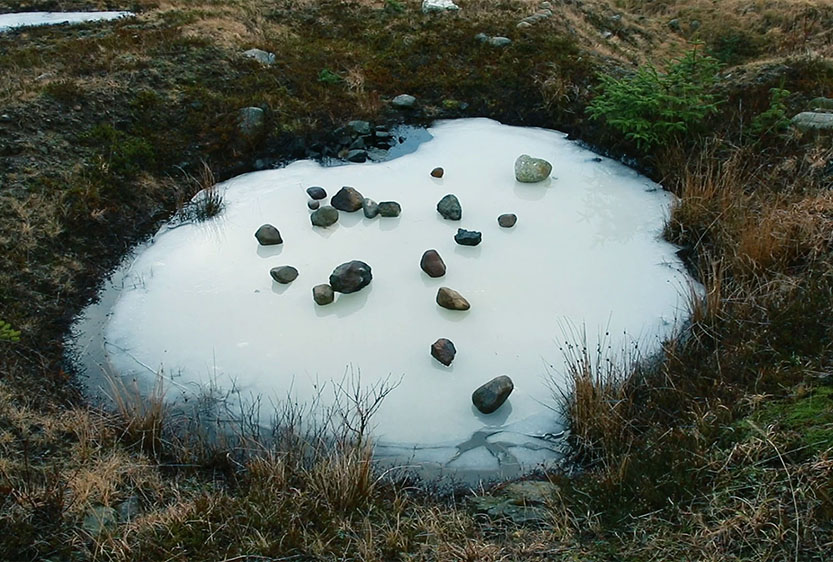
[
  {"x": 586, "y": 251},
  {"x": 22, "y": 19}
]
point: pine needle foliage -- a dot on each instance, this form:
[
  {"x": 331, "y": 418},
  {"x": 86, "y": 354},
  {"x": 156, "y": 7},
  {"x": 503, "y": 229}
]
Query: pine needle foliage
[{"x": 653, "y": 109}]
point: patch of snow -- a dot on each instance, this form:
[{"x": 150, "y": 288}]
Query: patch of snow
[{"x": 23, "y": 19}]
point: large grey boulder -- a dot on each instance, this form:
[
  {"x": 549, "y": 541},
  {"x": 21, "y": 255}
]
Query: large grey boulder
[
  {"x": 325, "y": 216},
  {"x": 347, "y": 199},
  {"x": 493, "y": 394},
  {"x": 268, "y": 235},
  {"x": 451, "y": 299},
  {"x": 449, "y": 207},
  {"x": 813, "y": 121},
  {"x": 350, "y": 277},
  {"x": 531, "y": 170}
]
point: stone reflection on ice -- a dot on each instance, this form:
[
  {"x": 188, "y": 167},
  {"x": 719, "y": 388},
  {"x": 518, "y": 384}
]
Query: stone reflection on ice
[{"x": 586, "y": 251}]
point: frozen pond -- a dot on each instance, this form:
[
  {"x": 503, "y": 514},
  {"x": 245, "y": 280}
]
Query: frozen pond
[
  {"x": 198, "y": 303},
  {"x": 22, "y": 19}
]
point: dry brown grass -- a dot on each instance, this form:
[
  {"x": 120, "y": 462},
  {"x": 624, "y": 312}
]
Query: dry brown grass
[
  {"x": 597, "y": 399},
  {"x": 755, "y": 219},
  {"x": 144, "y": 415}
]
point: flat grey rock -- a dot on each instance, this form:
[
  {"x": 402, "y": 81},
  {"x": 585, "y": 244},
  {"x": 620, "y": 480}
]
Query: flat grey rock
[
  {"x": 813, "y": 121},
  {"x": 438, "y": 6},
  {"x": 261, "y": 56},
  {"x": 403, "y": 101}
]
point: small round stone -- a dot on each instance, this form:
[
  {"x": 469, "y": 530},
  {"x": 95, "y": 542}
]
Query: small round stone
[
  {"x": 268, "y": 235},
  {"x": 493, "y": 394},
  {"x": 451, "y": 299},
  {"x": 507, "y": 220},
  {"x": 317, "y": 192},
  {"x": 370, "y": 208},
  {"x": 432, "y": 264},
  {"x": 449, "y": 208},
  {"x": 437, "y": 172},
  {"x": 443, "y": 350},
  {"x": 389, "y": 209},
  {"x": 284, "y": 274},
  {"x": 325, "y": 216},
  {"x": 313, "y": 204},
  {"x": 323, "y": 294},
  {"x": 468, "y": 237}
]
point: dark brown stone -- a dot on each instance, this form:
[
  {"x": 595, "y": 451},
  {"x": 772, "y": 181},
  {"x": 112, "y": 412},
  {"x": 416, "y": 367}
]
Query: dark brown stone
[
  {"x": 443, "y": 350},
  {"x": 432, "y": 264},
  {"x": 348, "y": 199},
  {"x": 493, "y": 394},
  {"x": 451, "y": 299}
]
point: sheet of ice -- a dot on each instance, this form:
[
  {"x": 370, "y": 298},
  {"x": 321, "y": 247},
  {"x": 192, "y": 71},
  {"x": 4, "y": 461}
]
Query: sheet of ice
[
  {"x": 22, "y": 19},
  {"x": 586, "y": 251}
]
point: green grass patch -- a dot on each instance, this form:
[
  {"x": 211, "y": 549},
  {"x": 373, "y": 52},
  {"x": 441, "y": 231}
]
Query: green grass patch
[{"x": 808, "y": 418}]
